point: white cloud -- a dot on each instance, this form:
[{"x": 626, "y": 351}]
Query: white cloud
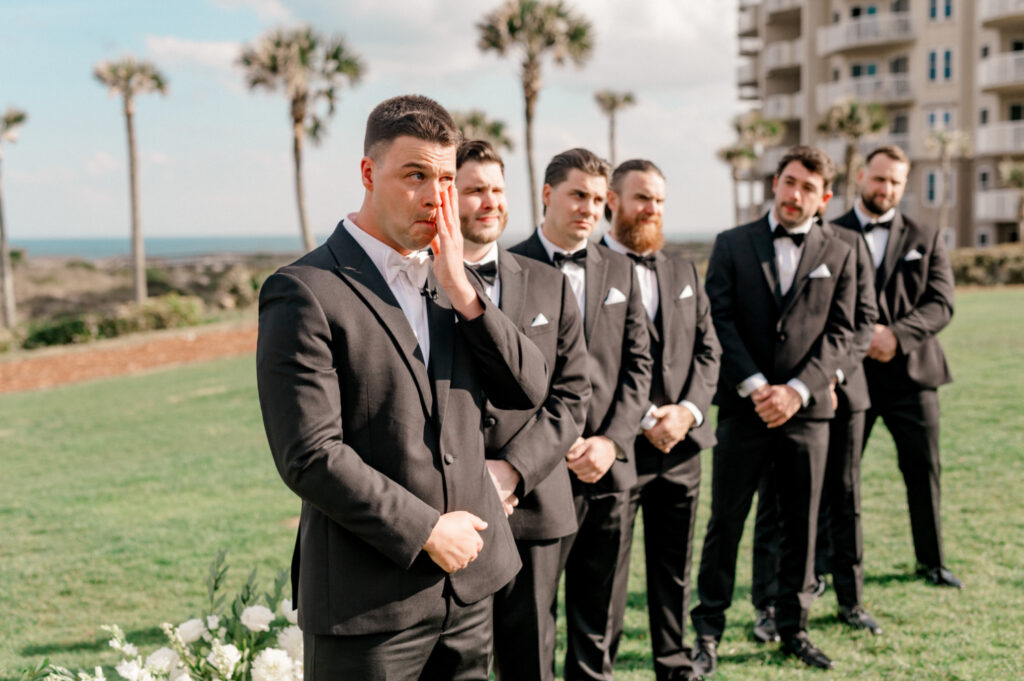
[
  {"x": 220, "y": 56},
  {"x": 158, "y": 158},
  {"x": 268, "y": 10},
  {"x": 101, "y": 163}
]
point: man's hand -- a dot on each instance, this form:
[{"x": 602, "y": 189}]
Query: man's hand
[
  {"x": 776, "y": 404},
  {"x": 590, "y": 459},
  {"x": 833, "y": 395},
  {"x": 455, "y": 541},
  {"x": 449, "y": 266},
  {"x": 674, "y": 422},
  {"x": 883, "y": 344},
  {"x": 505, "y": 478}
]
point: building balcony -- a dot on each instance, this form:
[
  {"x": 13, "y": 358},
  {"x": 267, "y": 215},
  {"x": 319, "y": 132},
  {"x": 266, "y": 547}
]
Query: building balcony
[
  {"x": 786, "y": 54},
  {"x": 774, "y": 8},
  {"x": 746, "y": 73},
  {"x": 871, "y": 30},
  {"x": 996, "y": 205},
  {"x": 784, "y": 107},
  {"x": 889, "y": 89},
  {"x": 1001, "y": 14},
  {"x": 836, "y": 147},
  {"x": 1005, "y": 137},
  {"x": 748, "y": 21},
  {"x": 751, "y": 47},
  {"x": 1002, "y": 73}
]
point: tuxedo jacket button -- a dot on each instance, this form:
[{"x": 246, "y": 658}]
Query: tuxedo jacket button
[
  {"x": 490, "y": 422},
  {"x": 782, "y": 336},
  {"x": 448, "y": 459}
]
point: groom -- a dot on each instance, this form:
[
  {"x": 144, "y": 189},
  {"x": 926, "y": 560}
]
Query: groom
[{"x": 373, "y": 364}]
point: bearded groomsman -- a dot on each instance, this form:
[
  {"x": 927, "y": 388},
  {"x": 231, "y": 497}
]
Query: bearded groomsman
[
  {"x": 782, "y": 299},
  {"x": 905, "y": 364},
  {"x": 526, "y": 449},
  {"x": 619, "y": 368},
  {"x": 686, "y": 355}
]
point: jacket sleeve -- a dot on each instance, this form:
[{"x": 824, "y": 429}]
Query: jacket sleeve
[
  {"x": 737, "y": 364},
  {"x": 934, "y": 309},
  {"x": 867, "y": 310},
  {"x": 707, "y": 354},
  {"x": 542, "y": 443},
  {"x": 299, "y": 389}
]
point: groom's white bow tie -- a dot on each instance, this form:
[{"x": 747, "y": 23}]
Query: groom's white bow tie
[{"x": 415, "y": 266}]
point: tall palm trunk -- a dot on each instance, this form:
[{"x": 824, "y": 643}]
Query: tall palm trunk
[
  {"x": 850, "y": 186},
  {"x": 736, "y": 195},
  {"x": 138, "y": 245},
  {"x": 611, "y": 137},
  {"x": 6, "y": 273},
  {"x": 531, "y": 88},
  {"x": 307, "y": 237},
  {"x": 944, "y": 199}
]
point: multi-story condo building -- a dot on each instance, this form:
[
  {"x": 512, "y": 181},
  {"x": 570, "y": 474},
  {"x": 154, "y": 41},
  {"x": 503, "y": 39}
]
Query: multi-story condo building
[{"x": 953, "y": 64}]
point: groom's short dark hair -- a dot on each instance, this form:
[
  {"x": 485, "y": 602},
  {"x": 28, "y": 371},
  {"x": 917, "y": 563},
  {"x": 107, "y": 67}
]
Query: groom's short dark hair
[{"x": 408, "y": 115}]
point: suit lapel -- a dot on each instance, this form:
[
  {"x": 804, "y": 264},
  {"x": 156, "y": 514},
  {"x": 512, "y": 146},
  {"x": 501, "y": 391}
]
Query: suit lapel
[
  {"x": 356, "y": 269},
  {"x": 597, "y": 270},
  {"x": 764, "y": 248},
  {"x": 440, "y": 321},
  {"x": 893, "y": 252},
  {"x": 814, "y": 245},
  {"x": 668, "y": 291},
  {"x": 513, "y": 286}
]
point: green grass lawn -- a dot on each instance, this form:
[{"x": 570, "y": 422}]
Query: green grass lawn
[{"x": 116, "y": 494}]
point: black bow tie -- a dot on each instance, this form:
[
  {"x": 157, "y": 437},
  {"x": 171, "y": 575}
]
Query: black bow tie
[
  {"x": 781, "y": 232},
  {"x": 488, "y": 271},
  {"x": 642, "y": 260},
  {"x": 876, "y": 225},
  {"x": 579, "y": 257}
]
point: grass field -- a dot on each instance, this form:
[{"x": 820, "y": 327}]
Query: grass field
[{"x": 116, "y": 494}]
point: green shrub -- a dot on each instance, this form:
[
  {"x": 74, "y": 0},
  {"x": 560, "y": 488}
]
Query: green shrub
[
  {"x": 62, "y": 331},
  {"x": 172, "y": 311},
  {"x": 989, "y": 266}
]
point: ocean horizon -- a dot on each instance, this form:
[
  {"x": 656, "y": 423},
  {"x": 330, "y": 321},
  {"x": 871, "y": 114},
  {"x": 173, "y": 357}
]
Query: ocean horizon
[{"x": 96, "y": 248}]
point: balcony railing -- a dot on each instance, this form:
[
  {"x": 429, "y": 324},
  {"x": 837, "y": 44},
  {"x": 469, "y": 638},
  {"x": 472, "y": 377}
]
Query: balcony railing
[
  {"x": 996, "y": 205},
  {"x": 836, "y": 147},
  {"x": 746, "y": 73},
  {"x": 888, "y": 89},
  {"x": 1002, "y": 71},
  {"x": 994, "y": 12},
  {"x": 774, "y": 6},
  {"x": 1006, "y": 137},
  {"x": 869, "y": 30},
  {"x": 750, "y": 47},
  {"x": 784, "y": 54},
  {"x": 784, "y": 107},
  {"x": 748, "y": 20}
]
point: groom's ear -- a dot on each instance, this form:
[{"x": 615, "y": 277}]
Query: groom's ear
[{"x": 367, "y": 168}]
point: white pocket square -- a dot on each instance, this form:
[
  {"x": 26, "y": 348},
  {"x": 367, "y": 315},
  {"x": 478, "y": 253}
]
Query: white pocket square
[
  {"x": 820, "y": 272},
  {"x": 913, "y": 255},
  {"x": 539, "y": 320},
  {"x": 687, "y": 292},
  {"x": 614, "y": 296}
]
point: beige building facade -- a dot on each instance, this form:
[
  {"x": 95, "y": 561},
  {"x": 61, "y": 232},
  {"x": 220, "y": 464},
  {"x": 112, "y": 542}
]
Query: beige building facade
[{"x": 933, "y": 64}]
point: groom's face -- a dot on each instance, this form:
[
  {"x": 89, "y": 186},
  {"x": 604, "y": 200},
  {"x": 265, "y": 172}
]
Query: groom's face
[{"x": 408, "y": 181}]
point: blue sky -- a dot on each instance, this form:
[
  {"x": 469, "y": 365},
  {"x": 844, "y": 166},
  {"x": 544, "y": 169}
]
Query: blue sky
[{"x": 215, "y": 158}]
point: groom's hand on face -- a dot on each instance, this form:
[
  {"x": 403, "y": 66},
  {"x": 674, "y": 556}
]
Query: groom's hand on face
[
  {"x": 455, "y": 541},
  {"x": 449, "y": 266}
]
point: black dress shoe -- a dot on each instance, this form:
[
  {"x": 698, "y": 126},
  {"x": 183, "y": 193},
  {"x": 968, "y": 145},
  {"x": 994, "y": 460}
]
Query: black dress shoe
[
  {"x": 683, "y": 674},
  {"x": 705, "y": 656},
  {"x": 858, "y": 618},
  {"x": 940, "y": 576},
  {"x": 764, "y": 625},
  {"x": 801, "y": 648},
  {"x": 820, "y": 586}
]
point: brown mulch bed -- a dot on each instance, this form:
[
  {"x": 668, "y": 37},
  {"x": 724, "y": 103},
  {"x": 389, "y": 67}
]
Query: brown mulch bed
[{"x": 56, "y": 366}]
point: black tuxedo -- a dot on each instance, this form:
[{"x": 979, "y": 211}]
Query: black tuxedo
[
  {"x": 539, "y": 300},
  {"x": 915, "y": 300},
  {"x": 377, "y": 444},
  {"x": 619, "y": 369},
  {"x": 686, "y": 356},
  {"x": 803, "y": 334},
  {"x": 840, "y": 545}
]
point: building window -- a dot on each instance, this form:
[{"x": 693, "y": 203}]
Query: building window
[
  {"x": 940, "y": 117},
  {"x": 982, "y": 239},
  {"x": 900, "y": 5},
  {"x": 983, "y": 117},
  {"x": 835, "y": 75},
  {"x": 933, "y": 58},
  {"x": 900, "y": 124},
  {"x": 947, "y": 65},
  {"x": 1017, "y": 45},
  {"x": 861, "y": 70},
  {"x": 984, "y": 51},
  {"x": 933, "y": 9},
  {"x": 933, "y": 188},
  {"x": 855, "y": 11},
  {"x": 984, "y": 179},
  {"x": 1015, "y": 112},
  {"x": 948, "y": 9},
  {"x": 899, "y": 65}
]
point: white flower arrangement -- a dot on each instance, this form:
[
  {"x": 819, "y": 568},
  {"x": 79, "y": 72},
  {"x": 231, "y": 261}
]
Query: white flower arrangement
[{"x": 255, "y": 638}]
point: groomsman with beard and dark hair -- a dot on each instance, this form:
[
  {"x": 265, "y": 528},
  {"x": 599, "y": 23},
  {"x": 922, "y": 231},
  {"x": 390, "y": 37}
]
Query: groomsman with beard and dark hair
[
  {"x": 905, "y": 364},
  {"x": 619, "y": 368},
  {"x": 526, "y": 449},
  {"x": 686, "y": 356},
  {"x": 783, "y": 298},
  {"x": 840, "y": 545}
]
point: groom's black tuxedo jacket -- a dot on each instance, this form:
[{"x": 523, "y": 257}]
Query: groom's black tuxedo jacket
[
  {"x": 619, "y": 356},
  {"x": 914, "y": 285},
  {"x": 538, "y": 299},
  {"x": 804, "y": 334},
  {"x": 376, "y": 444}
]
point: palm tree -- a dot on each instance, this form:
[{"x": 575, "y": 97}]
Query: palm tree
[
  {"x": 741, "y": 158},
  {"x": 535, "y": 28},
  {"x": 9, "y": 124},
  {"x": 947, "y": 143},
  {"x": 128, "y": 77},
  {"x": 310, "y": 68},
  {"x": 853, "y": 120},
  {"x": 610, "y": 102},
  {"x": 475, "y": 125},
  {"x": 756, "y": 132},
  {"x": 1011, "y": 174}
]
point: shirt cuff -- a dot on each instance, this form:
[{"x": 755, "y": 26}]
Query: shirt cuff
[
  {"x": 695, "y": 410},
  {"x": 799, "y": 386},
  {"x": 750, "y": 384},
  {"x": 841, "y": 376}
]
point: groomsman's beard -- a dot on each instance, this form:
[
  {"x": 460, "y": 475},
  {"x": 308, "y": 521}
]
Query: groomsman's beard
[
  {"x": 482, "y": 236},
  {"x": 875, "y": 207},
  {"x": 641, "y": 234}
]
